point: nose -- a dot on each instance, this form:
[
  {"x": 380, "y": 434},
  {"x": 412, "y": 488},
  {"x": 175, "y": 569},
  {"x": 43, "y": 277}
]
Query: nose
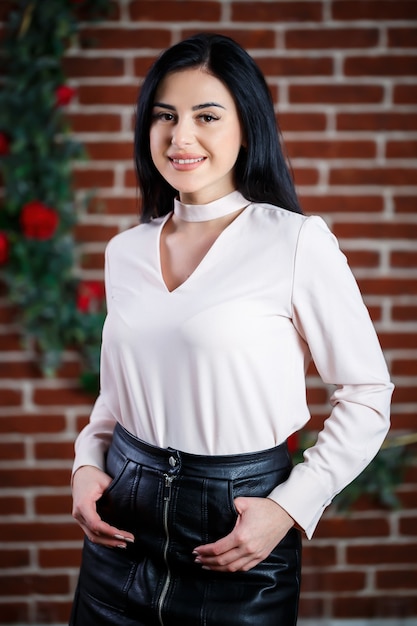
[{"x": 182, "y": 133}]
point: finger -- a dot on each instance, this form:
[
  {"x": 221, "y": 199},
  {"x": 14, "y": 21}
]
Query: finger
[
  {"x": 222, "y": 546},
  {"x": 101, "y": 532}
]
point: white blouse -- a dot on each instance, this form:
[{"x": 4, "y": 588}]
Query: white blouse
[{"x": 217, "y": 366}]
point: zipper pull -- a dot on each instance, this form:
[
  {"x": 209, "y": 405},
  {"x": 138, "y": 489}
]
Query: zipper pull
[{"x": 168, "y": 481}]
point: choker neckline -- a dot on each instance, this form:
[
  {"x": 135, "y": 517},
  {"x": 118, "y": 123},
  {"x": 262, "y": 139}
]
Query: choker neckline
[{"x": 211, "y": 211}]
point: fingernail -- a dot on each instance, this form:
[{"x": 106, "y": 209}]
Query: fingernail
[
  {"x": 122, "y": 545},
  {"x": 197, "y": 560},
  {"x": 128, "y": 539},
  {"x": 205, "y": 567},
  {"x": 194, "y": 553}
]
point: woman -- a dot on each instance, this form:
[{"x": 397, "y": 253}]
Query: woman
[{"x": 216, "y": 303}]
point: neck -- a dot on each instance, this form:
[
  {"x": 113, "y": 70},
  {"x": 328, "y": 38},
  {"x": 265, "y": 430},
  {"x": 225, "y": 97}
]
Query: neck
[{"x": 211, "y": 211}]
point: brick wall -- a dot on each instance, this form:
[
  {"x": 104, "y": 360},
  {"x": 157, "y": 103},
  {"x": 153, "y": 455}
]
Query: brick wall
[{"x": 343, "y": 75}]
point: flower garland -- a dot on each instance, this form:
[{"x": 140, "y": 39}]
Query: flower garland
[{"x": 55, "y": 308}]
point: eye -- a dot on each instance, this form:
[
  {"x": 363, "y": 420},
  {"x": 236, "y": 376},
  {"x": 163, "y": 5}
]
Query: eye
[
  {"x": 208, "y": 118},
  {"x": 163, "y": 116}
]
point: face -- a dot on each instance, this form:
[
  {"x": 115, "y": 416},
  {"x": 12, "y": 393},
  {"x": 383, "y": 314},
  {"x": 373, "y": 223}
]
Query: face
[{"x": 195, "y": 135}]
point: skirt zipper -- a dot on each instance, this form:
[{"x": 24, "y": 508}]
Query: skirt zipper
[{"x": 167, "y": 498}]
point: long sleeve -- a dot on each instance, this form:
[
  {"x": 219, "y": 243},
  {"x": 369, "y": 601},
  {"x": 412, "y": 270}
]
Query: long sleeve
[{"x": 329, "y": 314}]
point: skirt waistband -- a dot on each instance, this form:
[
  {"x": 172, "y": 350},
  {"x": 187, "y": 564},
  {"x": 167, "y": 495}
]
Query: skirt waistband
[{"x": 171, "y": 461}]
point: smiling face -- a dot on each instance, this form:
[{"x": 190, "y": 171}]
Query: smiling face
[{"x": 195, "y": 135}]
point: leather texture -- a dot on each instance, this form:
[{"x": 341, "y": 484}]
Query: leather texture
[{"x": 172, "y": 502}]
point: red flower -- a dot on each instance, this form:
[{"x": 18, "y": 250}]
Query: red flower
[
  {"x": 38, "y": 221},
  {"x": 4, "y": 248},
  {"x": 64, "y": 95},
  {"x": 292, "y": 443},
  {"x": 90, "y": 296},
  {"x": 4, "y": 144}
]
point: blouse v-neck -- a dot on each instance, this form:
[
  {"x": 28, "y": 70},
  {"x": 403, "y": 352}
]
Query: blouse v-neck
[{"x": 221, "y": 207}]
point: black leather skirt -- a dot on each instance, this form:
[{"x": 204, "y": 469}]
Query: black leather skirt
[{"x": 172, "y": 502}]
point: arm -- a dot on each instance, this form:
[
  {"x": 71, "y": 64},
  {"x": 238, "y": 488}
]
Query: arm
[
  {"x": 332, "y": 319},
  {"x": 329, "y": 314}
]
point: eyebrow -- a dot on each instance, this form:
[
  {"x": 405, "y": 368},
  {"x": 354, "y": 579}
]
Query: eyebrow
[{"x": 197, "y": 107}]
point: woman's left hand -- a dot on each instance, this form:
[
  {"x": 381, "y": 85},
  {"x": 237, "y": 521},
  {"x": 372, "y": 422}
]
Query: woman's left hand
[{"x": 261, "y": 525}]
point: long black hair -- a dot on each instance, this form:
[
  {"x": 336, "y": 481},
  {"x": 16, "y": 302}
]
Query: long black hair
[{"x": 261, "y": 171}]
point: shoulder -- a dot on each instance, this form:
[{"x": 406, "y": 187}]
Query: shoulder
[
  {"x": 287, "y": 222},
  {"x": 132, "y": 237}
]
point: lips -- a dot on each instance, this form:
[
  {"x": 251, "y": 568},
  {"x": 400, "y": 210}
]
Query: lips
[{"x": 185, "y": 162}]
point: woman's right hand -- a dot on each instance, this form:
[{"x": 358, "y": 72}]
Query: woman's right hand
[{"x": 88, "y": 485}]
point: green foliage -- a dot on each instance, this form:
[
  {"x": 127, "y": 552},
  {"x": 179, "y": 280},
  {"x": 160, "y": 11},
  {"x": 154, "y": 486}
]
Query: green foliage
[{"x": 36, "y": 166}]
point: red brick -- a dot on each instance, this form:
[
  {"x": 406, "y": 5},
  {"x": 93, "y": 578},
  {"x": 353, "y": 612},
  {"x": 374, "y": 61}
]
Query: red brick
[
  {"x": 54, "y": 450},
  {"x": 34, "y": 477},
  {"x": 377, "y": 121},
  {"x": 65, "y": 397},
  {"x": 108, "y": 94},
  {"x": 376, "y": 230},
  {"x": 405, "y": 94},
  {"x": 403, "y": 258},
  {"x": 382, "y": 65},
  {"x": 353, "y": 606},
  {"x": 404, "y": 313},
  {"x": 335, "y": 94},
  {"x": 387, "y": 287},
  {"x": 327, "y": 581},
  {"x": 405, "y": 367},
  {"x": 12, "y": 505},
  {"x": 83, "y": 66},
  {"x": 405, "y": 204},
  {"x": 95, "y": 122},
  {"x": 19, "y": 369},
  {"x": 95, "y": 232},
  {"x": 402, "y": 37},
  {"x": 408, "y": 526},
  {"x": 402, "y": 421},
  {"x": 310, "y": 607},
  {"x": 59, "y": 557},
  {"x": 397, "y": 579},
  {"x": 317, "y": 395},
  {"x": 295, "y": 66},
  {"x": 14, "y": 585},
  {"x": 331, "y": 149},
  {"x": 14, "y": 558},
  {"x": 305, "y": 175},
  {"x": 126, "y": 38},
  {"x": 91, "y": 178},
  {"x": 401, "y": 149},
  {"x": 373, "y": 176},
  {"x": 35, "y": 423},
  {"x": 10, "y": 397},
  {"x": 53, "y": 504},
  {"x": 10, "y": 341},
  {"x": 338, "y": 38},
  {"x": 52, "y": 611},
  {"x": 374, "y": 10},
  {"x": 110, "y": 150},
  {"x": 12, "y": 450},
  {"x": 290, "y": 122},
  {"x": 319, "y": 556},
  {"x": 392, "y": 553},
  {"x": 38, "y": 531},
  {"x": 317, "y": 205},
  {"x": 92, "y": 261},
  {"x": 178, "y": 11},
  {"x": 259, "y": 38},
  {"x": 341, "y": 526},
  {"x": 363, "y": 258},
  {"x": 115, "y": 206},
  {"x": 293, "y": 11},
  {"x": 14, "y": 612},
  {"x": 141, "y": 66},
  {"x": 405, "y": 394}
]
